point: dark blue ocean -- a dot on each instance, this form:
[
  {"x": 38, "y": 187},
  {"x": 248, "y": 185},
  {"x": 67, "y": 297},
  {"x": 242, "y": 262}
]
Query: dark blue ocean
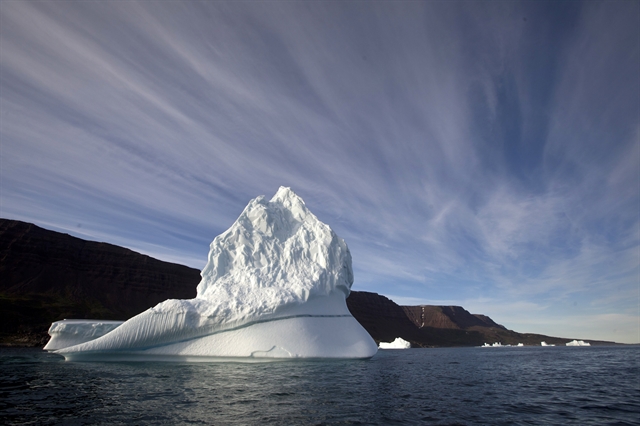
[{"x": 466, "y": 386}]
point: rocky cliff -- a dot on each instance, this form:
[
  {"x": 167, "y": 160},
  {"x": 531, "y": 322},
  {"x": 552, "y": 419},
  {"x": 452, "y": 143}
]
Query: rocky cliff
[
  {"x": 448, "y": 317},
  {"x": 46, "y": 276},
  {"x": 434, "y": 326}
]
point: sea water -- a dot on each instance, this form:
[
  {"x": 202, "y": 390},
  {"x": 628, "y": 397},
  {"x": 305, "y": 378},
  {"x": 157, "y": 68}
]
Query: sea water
[{"x": 509, "y": 385}]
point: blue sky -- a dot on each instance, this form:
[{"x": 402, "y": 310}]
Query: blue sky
[{"x": 483, "y": 154}]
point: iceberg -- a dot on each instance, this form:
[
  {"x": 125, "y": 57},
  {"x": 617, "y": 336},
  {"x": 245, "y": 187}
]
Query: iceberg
[
  {"x": 274, "y": 286},
  {"x": 578, "y": 343},
  {"x": 398, "y": 343},
  {"x": 70, "y": 332},
  {"x": 494, "y": 345},
  {"x": 543, "y": 343}
]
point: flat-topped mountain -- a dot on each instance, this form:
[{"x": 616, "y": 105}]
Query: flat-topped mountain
[
  {"x": 47, "y": 276},
  {"x": 434, "y": 326},
  {"x": 450, "y": 317}
]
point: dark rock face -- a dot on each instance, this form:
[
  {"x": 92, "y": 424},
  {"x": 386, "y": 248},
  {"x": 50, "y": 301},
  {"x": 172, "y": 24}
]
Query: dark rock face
[
  {"x": 449, "y": 317},
  {"x": 383, "y": 319},
  {"x": 487, "y": 322},
  {"x": 432, "y": 326},
  {"x": 46, "y": 276}
]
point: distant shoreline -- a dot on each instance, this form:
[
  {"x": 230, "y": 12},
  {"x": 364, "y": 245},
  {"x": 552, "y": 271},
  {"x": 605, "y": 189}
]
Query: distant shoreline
[{"x": 46, "y": 276}]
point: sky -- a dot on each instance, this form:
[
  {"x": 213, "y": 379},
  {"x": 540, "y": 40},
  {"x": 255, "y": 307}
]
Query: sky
[{"x": 475, "y": 153}]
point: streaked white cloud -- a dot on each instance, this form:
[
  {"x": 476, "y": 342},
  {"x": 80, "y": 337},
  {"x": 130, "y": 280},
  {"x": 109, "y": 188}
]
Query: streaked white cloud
[{"x": 465, "y": 151}]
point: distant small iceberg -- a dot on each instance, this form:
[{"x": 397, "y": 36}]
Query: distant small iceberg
[
  {"x": 543, "y": 343},
  {"x": 496, "y": 345},
  {"x": 578, "y": 343},
  {"x": 399, "y": 343},
  {"x": 519, "y": 344}
]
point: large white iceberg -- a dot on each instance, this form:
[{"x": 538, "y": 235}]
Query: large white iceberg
[{"x": 274, "y": 286}]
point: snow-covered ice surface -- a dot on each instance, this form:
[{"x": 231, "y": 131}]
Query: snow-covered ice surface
[
  {"x": 71, "y": 332},
  {"x": 578, "y": 343},
  {"x": 274, "y": 286},
  {"x": 398, "y": 343},
  {"x": 498, "y": 345}
]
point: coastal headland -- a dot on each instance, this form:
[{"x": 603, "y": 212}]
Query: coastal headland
[{"x": 46, "y": 276}]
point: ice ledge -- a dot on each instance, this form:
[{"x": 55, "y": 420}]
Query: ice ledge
[
  {"x": 71, "y": 332},
  {"x": 286, "y": 338},
  {"x": 321, "y": 328}
]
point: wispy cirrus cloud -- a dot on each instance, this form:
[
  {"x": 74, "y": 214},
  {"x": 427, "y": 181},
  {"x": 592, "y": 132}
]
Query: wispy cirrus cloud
[{"x": 465, "y": 151}]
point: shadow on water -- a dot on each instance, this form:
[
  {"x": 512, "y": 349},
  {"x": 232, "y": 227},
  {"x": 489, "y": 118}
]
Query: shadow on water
[{"x": 417, "y": 386}]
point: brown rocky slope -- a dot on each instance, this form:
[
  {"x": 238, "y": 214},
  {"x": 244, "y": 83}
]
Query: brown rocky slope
[{"x": 46, "y": 276}]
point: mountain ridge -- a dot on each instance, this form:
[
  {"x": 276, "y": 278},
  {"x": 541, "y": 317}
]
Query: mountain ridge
[{"x": 47, "y": 276}]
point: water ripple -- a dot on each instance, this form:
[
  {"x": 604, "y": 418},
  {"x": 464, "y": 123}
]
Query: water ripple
[{"x": 468, "y": 386}]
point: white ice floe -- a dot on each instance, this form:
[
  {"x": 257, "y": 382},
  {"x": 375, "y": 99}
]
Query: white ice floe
[
  {"x": 578, "y": 343},
  {"x": 399, "y": 343},
  {"x": 494, "y": 345},
  {"x": 274, "y": 286},
  {"x": 545, "y": 344},
  {"x": 71, "y": 332}
]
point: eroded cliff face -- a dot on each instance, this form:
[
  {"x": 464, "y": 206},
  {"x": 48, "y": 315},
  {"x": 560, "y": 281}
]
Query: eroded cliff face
[
  {"x": 385, "y": 320},
  {"x": 448, "y": 317},
  {"x": 46, "y": 276},
  {"x": 382, "y": 318}
]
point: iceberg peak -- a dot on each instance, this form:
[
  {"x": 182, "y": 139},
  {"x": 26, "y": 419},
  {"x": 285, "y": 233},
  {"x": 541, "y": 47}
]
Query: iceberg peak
[
  {"x": 285, "y": 194},
  {"x": 276, "y": 253}
]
